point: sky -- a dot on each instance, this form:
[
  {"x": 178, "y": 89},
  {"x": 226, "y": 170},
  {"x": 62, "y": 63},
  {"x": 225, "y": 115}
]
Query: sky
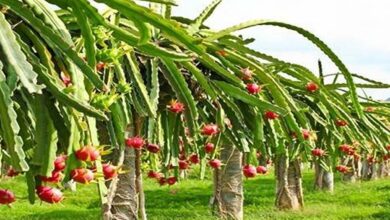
[{"x": 358, "y": 31}]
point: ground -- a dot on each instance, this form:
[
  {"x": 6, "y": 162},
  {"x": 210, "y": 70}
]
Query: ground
[{"x": 189, "y": 200}]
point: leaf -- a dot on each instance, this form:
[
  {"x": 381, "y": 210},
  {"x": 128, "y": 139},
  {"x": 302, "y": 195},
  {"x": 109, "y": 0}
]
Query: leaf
[
  {"x": 125, "y": 36},
  {"x": 9, "y": 126},
  {"x": 45, "y": 137},
  {"x": 94, "y": 139},
  {"x": 154, "y": 96},
  {"x": 56, "y": 40},
  {"x": 168, "y": 27},
  {"x": 369, "y": 80},
  {"x": 144, "y": 32},
  {"x": 119, "y": 122},
  {"x": 358, "y": 85},
  {"x": 65, "y": 98},
  {"x": 15, "y": 59},
  {"x": 179, "y": 85},
  {"x": 218, "y": 69},
  {"x": 194, "y": 27},
  {"x": 98, "y": 163},
  {"x": 239, "y": 94},
  {"x": 136, "y": 78},
  {"x": 279, "y": 94},
  {"x": 61, "y": 124},
  {"x": 311, "y": 37},
  {"x": 200, "y": 78},
  {"x": 165, "y": 2},
  {"x": 258, "y": 134},
  {"x": 101, "y": 183},
  {"x": 25, "y": 123},
  {"x": 166, "y": 137},
  {"x": 137, "y": 104},
  {"x": 86, "y": 32},
  {"x": 175, "y": 131},
  {"x": 30, "y": 186},
  {"x": 155, "y": 85},
  {"x": 220, "y": 118},
  {"x": 229, "y": 105}
]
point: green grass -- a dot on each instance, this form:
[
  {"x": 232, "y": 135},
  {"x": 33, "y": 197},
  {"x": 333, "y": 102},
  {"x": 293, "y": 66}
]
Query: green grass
[
  {"x": 83, "y": 204},
  {"x": 190, "y": 198}
]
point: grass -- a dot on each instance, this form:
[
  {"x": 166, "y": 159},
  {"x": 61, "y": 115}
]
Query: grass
[{"x": 190, "y": 198}]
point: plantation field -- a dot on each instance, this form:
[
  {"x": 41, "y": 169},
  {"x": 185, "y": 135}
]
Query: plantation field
[{"x": 189, "y": 199}]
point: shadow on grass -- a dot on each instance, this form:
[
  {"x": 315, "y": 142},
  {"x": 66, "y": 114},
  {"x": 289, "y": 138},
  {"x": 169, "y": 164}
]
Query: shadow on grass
[
  {"x": 176, "y": 196},
  {"x": 381, "y": 215},
  {"x": 384, "y": 188},
  {"x": 259, "y": 192},
  {"x": 65, "y": 214}
]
